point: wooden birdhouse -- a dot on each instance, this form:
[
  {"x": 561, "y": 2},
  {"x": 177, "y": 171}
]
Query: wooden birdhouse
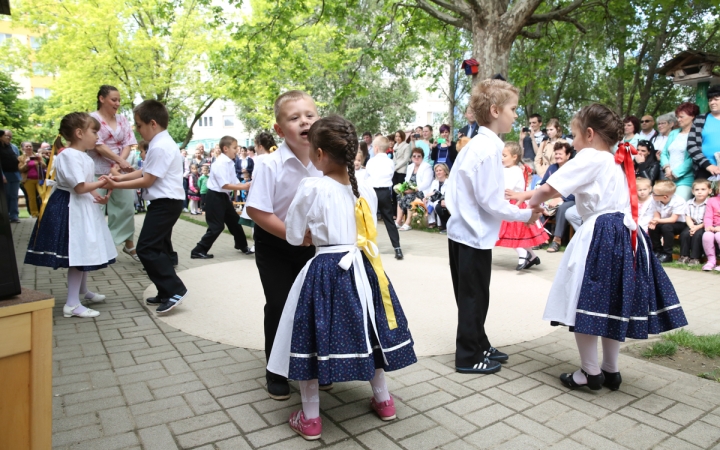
[{"x": 691, "y": 68}]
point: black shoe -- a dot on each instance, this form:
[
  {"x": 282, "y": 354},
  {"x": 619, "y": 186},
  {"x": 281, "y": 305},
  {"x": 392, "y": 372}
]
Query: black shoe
[
  {"x": 494, "y": 354},
  {"x": 665, "y": 258},
  {"x": 523, "y": 264},
  {"x": 594, "y": 382},
  {"x": 247, "y": 250},
  {"x": 612, "y": 380},
  {"x": 277, "y": 386},
  {"x": 483, "y": 368},
  {"x": 326, "y": 387},
  {"x": 154, "y": 301},
  {"x": 533, "y": 262},
  {"x": 398, "y": 254},
  {"x": 200, "y": 255},
  {"x": 170, "y": 303}
]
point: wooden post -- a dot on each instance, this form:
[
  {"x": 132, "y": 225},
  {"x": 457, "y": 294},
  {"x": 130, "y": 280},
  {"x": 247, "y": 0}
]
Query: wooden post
[{"x": 701, "y": 98}]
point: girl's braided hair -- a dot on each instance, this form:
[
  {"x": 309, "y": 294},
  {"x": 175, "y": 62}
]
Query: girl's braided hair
[{"x": 337, "y": 137}]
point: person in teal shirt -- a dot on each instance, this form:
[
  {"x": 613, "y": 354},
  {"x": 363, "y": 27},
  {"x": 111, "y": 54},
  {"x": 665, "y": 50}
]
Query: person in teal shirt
[
  {"x": 202, "y": 184},
  {"x": 675, "y": 159},
  {"x": 704, "y": 138}
]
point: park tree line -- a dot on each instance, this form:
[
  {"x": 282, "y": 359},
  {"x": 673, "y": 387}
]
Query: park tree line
[{"x": 357, "y": 58}]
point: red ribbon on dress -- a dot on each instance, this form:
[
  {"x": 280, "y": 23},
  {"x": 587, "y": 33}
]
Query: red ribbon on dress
[{"x": 623, "y": 156}]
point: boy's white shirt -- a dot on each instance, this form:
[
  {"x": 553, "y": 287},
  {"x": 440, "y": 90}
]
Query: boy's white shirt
[{"x": 676, "y": 205}]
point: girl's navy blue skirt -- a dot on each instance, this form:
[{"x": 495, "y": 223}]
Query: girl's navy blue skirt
[
  {"x": 328, "y": 337},
  {"x": 49, "y": 242},
  {"x": 625, "y": 295}
]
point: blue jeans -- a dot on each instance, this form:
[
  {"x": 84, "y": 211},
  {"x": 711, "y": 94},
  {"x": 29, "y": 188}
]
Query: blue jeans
[{"x": 11, "y": 193}]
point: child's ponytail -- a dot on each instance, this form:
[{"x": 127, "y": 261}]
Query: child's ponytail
[{"x": 337, "y": 137}]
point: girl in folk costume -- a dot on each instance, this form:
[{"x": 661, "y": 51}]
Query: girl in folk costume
[
  {"x": 518, "y": 235},
  {"x": 609, "y": 283},
  {"x": 72, "y": 231},
  {"x": 342, "y": 320}
]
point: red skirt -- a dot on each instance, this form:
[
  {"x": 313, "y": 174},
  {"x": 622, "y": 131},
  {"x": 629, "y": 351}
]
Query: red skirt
[{"x": 519, "y": 235}]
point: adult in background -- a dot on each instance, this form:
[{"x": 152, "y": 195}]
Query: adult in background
[
  {"x": 631, "y": 127},
  {"x": 380, "y": 170},
  {"x": 11, "y": 174},
  {"x": 435, "y": 198},
  {"x": 401, "y": 159},
  {"x": 675, "y": 159},
  {"x": 646, "y": 163},
  {"x": 665, "y": 124},
  {"x": 704, "y": 138},
  {"x": 531, "y": 138},
  {"x": 647, "y": 128},
  {"x": 367, "y": 137},
  {"x": 31, "y": 167},
  {"x": 243, "y": 162},
  {"x": 471, "y": 129},
  {"x": 363, "y": 148},
  {"x": 420, "y": 173},
  {"x": 113, "y": 146},
  {"x": 427, "y": 139},
  {"x": 44, "y": 151},
  {"x": 545, "y": 156},
  {"x": 444, "y": 152}
]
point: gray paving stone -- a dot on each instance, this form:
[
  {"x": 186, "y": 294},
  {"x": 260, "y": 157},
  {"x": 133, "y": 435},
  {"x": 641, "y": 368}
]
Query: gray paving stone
[
  {"x": 506, "y": 399},
  {"x": 653, "y": 404},
  {"x": 377, "y": 441},
  {"x": 137, "y": 393},
  {"x": 202, "y": 402},
  {"x": 650, "y": 419},
  {"x": 681, "y": 413},
  {"x": 270, "y": 435},
  {"x": 569, "y": 422},
  {"x": 673, "y": 443},
  {"x": 431, "y": 401},
  {"x": 429, "y": 439},
  {"x": 521, "y": 442},
  {"x": 595, "y": 441},
  {"x": 247, "y": 418},
  {"x": 487, "y": 416},
  {"x": 73, "y": 422},
  {"x": 468, "y": 405},
  {"x": 451, "y": 387},
  {"x": 701, "y": 434},
  {"x": 641, "y": 437},
  {"x": 165, "y": 416},
  {"x": 157, "y": 438},
  {"x": 89, "y": 395},
  {"x": 410, "y": 426},
  {"x": 612, "y": 425},
  {"x": 77, "y": 435},
  {"x": 492, "y": 436},
  {"x": 236, "y": 443},
  {"x": 116, "y": 442},
  {"x": 532, "y": 428},
  {"x": 94, "y": 405},
  {"x": 450, "y": 421},
  {"x": 116, "y": 420},
  {"x": 199, "y": 422}
]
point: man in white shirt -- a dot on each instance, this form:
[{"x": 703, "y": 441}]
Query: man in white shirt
[
  {"x": 475, "y": 197},
  {"x": 379, "y": 173},
  {"x": 647, "y": 130}
]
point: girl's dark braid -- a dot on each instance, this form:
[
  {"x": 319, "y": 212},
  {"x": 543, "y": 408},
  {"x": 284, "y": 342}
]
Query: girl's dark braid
[{"x": 351, "y": 147}]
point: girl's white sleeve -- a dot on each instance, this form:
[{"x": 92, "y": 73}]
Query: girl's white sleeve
[{"x": 298, "y": 215}]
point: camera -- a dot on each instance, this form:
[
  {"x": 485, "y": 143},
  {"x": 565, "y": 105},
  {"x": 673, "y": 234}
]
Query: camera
[
  {"x": 526, "y": 130},
  {"x": 416, "y": 136}
]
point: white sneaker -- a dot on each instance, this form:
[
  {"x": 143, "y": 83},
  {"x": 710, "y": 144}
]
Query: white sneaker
[
  {"x": 95, "y": 298},
  {"x": 70, "y": 312},
  {"x": 405, "y": 228}
]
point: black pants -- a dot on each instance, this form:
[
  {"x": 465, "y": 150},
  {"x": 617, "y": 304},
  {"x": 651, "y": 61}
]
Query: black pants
[
  {"x": 202, "y": 201},
  {"x": 470, "y": 272},
  {"x": 219, "y": 211},
  {"x": 385, "y": 208},
  {"x": 397, "y": 178},
  {"x": 278, "y": 263},
  {"x": 186, "y": 188},
  {"x": 154, "y": 246},
  {"x": 691, "y": 245},
  {"x": 667, "y": 231},
  {"x": 443, "y": 214}
]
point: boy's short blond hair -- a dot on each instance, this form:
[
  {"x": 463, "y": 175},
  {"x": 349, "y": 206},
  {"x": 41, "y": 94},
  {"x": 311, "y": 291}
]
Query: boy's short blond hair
[
  {"x": 381, "y": 144},
  {"x": 664, "y": 187},
  {"x": 641, "y": 180},
  {"x": 699, "y": 181},
  {"x": 487, "y": 93},
  {"x": 287, "y": 97}
]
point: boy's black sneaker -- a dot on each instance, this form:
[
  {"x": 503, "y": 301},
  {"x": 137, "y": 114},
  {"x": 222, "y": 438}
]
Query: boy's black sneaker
[
  {"x": 278, "y": 387},
  {"x": 170, "y": 304},
  {"x": 154, "y": 301},
  {"x": 484, "y": 367},
  {"x": 494, "y": 354},
  {"x": 247, "y": 250}
]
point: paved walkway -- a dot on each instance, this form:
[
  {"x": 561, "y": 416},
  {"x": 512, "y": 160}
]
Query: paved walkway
[{"x": 127, "y": 380}]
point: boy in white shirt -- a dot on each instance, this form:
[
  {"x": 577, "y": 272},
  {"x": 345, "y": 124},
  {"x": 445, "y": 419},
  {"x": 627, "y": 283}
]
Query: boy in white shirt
[
  {"x": 645, "y": 203},
  {"x": 379, "y": 175},
  {"x": 475, "y": 197},
  {"x": 668, "y": 219},
  {"x": 275, "y": 180},
  {"x": 691, "y": 238},
  {"x": 162, "y": 179}
]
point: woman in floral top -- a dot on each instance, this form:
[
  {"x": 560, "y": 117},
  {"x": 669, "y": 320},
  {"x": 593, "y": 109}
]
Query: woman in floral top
[{"x": 115, "y": 139}]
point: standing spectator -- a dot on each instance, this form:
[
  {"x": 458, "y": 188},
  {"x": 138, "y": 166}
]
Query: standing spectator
[
  {"x": 704, "y": 138},
  {"x": 444, "y": 152},
  {"x": 401, "y": 159},
  {"x": 665, "y": 123},
  {"x": 368, "y": 138},
  {"x": 115, "y": 140},
  {"x": 471, "y": 129},
  {"x": 646, "y": 163},
  {"x": 675, "y": 159},
  {"x": 44, "y": 151},
  {"x": 427, "y": 139},
  {"x": 11, "y": 174},
  {"x": 545, "y": 156},
  {"x": 363, "y": 148},
  {"x": 531, "y": 144},
  {"x": 647, "y": 128},
  {"x": 30, "y": 166},
  {"x": 631, "y": 127},
  {"x": 251, "y": 152},
  {"x": 243, "y": 162}
]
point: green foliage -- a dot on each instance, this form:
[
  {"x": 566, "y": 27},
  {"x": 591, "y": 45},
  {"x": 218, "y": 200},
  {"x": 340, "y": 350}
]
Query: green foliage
[
  {"x": 713, "y": 375},
  {"x": 13, "y": 111},
  {"x": 660, "y": 348},
  {"x": 708, "y": 345},
  {"x": 39, "y": 128},
  {"x": 177, "y": 127}
]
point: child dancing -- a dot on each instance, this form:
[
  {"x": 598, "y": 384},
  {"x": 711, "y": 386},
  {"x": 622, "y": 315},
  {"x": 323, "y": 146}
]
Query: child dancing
[
  {"x": 609, "y": 283},
  {"x": 342, "y": 320},
  {"x": 72, "y": 232}
]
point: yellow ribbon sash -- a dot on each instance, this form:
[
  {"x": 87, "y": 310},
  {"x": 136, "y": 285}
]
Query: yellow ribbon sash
[{"x": 367, "y": 242}]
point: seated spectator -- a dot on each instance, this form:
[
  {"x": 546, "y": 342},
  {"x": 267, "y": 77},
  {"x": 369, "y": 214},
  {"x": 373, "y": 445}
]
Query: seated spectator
[
  {"x": 563, "y": 153},
  {"x": 419, "y": 173},
  {"x": 646, "y": 209},
  {"x": 631, "y": 128},
  {"x": 675, "y": 159},
  {"x": 665, "y": 124},
  {"x": 691, "y": 238},
  {"x": 444, "y": 152},
  {"x": 704, "y": 138},
  {"x": 646, "y": 163},
  {"x": 435, "y": 199},
  {"x": 668, "y": 219}
]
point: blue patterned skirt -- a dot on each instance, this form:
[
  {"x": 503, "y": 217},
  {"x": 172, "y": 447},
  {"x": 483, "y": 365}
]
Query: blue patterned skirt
[
  {"x": 50, "y": 239},
  {"x": 328, "y": 336},
  {"x": 625, "y": 295}
]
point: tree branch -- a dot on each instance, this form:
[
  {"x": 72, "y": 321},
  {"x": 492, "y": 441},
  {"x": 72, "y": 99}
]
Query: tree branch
[
  {"x": 556, "y": 14},
  {"x": 455, "y": 6},
  {"x": 441, "y": 16},
  {"x": 198, "y": 114}
]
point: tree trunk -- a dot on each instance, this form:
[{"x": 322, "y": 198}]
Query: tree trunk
[
  {"x": 563, "y": 79},
  {"x": 489, "y": 50},
  {"x": 620, "y": 99},
  {"x": 661, "y": 41},
  {"x": 198, "y": 114},
  {"x": 452, "y": 98}
]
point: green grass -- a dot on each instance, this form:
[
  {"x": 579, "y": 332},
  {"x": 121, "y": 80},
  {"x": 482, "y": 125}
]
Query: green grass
[
  {"x": 713, "y": 375},
  {"x": 23, "y": 214},
  {"x": 660, "y": 348},
  {"x": 708, "y": 345}
]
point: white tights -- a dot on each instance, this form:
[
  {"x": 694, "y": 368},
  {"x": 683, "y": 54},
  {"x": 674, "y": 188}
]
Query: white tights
[
  {"x": 193, "y": 206},
  {"x": 310, "y": 396},
  {"x": 525, "y": 253},
  {"x": 587, "y": 346}
]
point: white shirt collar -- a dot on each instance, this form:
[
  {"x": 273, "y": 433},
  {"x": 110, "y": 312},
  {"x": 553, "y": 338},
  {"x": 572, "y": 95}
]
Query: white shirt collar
[
  {"x": 223, "y": 158},
  {"x": 491, "y": 134}
]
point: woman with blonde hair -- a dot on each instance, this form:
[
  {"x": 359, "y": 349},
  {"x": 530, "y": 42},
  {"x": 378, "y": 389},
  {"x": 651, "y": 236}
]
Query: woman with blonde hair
[{"x": 546, "y": 153}]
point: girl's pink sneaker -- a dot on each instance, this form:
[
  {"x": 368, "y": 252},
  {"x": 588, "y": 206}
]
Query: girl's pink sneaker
[
  {"x": 709, "y": 266},
  {"x": 310, "y": 429},
  {"x": 386, "y": 409}
]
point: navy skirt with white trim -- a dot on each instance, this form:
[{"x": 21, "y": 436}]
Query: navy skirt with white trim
[
  {"x": 328, "y": 336},
  {"x": 50, "y": 239},
  {"x": 625, "y": 295}
]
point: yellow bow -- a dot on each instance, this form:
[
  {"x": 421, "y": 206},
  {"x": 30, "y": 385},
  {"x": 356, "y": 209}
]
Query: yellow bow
[{"x": 367, "y": 242}]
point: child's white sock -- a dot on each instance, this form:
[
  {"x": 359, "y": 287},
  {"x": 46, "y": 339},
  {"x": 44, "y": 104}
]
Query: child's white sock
[
  {"x": 309, "y": 394},
  {"x": 587, "y": 346},
  {"x": 611, "y": 351},
  {"x": 74, "y": 278},
  {"x": 531, "y": 253},
  {"x": 193, "y": 206},
  {"x": 84, "y": 291},
  {"x": 522, "y": 254},
  {"x": 379, "y": 386}
]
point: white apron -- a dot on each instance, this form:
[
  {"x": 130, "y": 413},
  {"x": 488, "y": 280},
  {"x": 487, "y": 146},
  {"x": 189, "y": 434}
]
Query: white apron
[
  {"x": 279, "y": 362},
  {"x": 565, "y": 291}
]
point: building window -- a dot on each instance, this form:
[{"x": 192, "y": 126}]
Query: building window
[
  {"x": 5, "y": 37},
  {"x": 42, "y": 92},
  {"x": 38, "y": 70},
  {"x": 35, "y": 42},
  {"x": 205, "y": 121},
  {"x": 228, "y": 121},
  {"x": 210, "y": 120}
]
